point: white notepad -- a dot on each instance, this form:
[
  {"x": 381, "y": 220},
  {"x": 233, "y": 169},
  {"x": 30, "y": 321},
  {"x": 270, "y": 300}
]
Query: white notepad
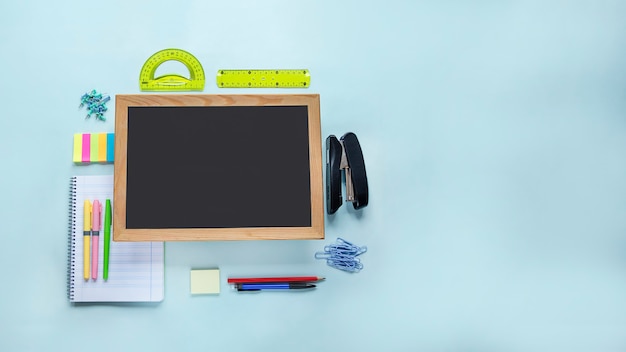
[{"x": 136, "y": 269}]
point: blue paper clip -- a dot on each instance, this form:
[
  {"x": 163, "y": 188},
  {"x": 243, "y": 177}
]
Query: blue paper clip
[
  {"x": 342, "y": 255},
  {"x": 350, "y": 266}
]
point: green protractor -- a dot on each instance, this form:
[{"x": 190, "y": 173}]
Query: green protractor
[
  {"x": 171, "y": 82},
  {"x": 263, "y": 78}
]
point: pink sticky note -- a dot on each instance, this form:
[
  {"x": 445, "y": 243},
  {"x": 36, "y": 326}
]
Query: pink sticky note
[{"x": 86, "y": 147}]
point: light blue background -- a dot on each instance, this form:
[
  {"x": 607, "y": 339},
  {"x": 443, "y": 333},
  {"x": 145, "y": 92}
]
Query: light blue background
[{"x": 493, "y": 132}]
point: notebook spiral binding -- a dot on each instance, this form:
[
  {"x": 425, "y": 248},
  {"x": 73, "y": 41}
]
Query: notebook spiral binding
[{"x": 72, "y": 240}]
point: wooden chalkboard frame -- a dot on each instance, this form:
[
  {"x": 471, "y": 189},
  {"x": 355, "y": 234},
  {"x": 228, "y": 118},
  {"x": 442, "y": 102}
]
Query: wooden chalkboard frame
[{"x": 121, "y": 233}]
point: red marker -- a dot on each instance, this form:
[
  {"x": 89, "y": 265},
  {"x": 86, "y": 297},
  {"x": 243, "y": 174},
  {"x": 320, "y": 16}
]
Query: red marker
[{"x": 247, "y": 280}]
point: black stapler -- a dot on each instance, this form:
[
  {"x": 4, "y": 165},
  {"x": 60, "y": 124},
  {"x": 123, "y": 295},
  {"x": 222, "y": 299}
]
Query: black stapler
[{"x": 346, "y": 155}]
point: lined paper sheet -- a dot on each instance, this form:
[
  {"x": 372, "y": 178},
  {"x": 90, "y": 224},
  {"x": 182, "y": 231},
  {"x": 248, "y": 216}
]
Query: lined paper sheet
[{"x": 136, "y": 269}]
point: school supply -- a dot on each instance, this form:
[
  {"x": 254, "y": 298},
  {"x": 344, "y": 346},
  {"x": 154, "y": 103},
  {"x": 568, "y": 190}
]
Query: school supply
[
  {"x": 274, "y": 286},
  {"x": 246, "y": 280},
  {"x": 93, "y": 148},
  {"x": 346, "y": 156},
  {"x": 95, "y": 104},
  {"x": 343, "y": 255},
  {"x": 205, "y": 281},
  {"x": 136, "y": 269},
  {"x": 205, "y": 153},
  {"x": 107, "y": 239},
  {"x": 96, "y": 212},
  {"x": 263, "y": 78},
  {"x": 86, "y": 238},
  {"x": 171, "y": 82}
]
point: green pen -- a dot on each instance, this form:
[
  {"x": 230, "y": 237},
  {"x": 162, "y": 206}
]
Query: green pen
[{"x": 107, "y": 238}]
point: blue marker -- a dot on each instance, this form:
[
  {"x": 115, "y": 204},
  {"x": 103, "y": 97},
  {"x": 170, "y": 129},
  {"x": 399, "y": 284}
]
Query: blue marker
[{"x": 274, "y": 286}]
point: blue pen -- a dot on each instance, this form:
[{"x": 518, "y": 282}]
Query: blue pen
[{"x": 274, "y": 286}]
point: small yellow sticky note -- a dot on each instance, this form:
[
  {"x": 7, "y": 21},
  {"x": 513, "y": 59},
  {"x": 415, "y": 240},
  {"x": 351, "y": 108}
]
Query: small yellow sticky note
[
  {"x": 205, "y": 281},
  {"x": 78, "y": 147}
]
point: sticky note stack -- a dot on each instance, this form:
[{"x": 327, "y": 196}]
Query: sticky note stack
[
  {"x": 205, "y": 281},
  {"x": 93, "y": 147}
]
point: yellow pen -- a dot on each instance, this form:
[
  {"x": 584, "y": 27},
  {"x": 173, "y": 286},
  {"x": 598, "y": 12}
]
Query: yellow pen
[{"x": 86, "y": 238}]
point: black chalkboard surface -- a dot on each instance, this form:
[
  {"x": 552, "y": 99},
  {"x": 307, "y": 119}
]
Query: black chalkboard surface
[{"x": 202, "y": 167}]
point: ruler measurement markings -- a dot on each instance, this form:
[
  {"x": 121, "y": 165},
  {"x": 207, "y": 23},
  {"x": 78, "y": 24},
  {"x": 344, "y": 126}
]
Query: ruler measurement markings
[{"x": 172, "y": 82}]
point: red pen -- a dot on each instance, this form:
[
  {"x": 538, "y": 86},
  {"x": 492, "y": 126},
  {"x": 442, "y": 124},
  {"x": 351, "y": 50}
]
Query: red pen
[
  {"x": 246, "y": 280},
  {"x": 95, "y": 233}
]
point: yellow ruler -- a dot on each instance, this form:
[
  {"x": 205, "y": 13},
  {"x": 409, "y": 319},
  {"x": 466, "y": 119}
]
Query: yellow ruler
[
  {"x": 263, "y": 78},
  {"x": 171, "y": 82}
]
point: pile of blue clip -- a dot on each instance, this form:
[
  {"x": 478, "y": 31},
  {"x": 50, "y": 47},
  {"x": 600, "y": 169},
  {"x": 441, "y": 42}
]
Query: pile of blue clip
[
  {"x": 343, "y": 255},
  {"x": 95, "y": 103}
]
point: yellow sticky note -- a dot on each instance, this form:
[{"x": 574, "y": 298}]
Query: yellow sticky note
[
  {"x": 78, "y": 147},
  {"x": 205, "y": 281}
]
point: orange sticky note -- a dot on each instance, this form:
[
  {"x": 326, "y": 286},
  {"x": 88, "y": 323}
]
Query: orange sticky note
[{"x": 102, "y": 147}]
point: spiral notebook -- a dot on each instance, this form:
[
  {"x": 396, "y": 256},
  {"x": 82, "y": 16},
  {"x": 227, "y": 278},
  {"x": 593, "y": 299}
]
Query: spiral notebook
[{"x": 136, "y": 269}]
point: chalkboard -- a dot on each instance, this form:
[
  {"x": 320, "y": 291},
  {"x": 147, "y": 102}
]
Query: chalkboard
[{"x": 217, "y": 167}]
